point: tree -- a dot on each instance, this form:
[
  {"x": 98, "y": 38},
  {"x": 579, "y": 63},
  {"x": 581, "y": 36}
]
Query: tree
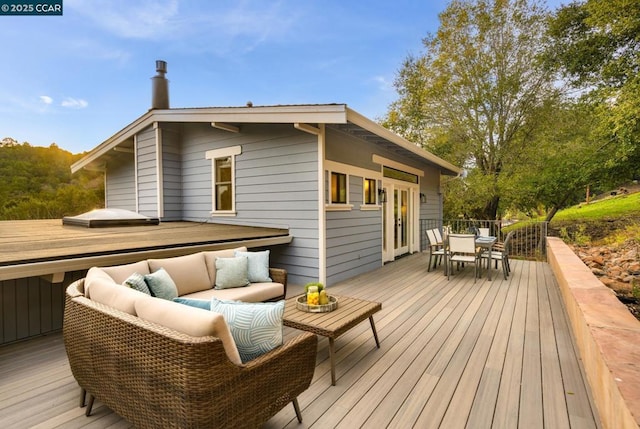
[
  {"x": 36, "y": 183},
  {"x": 567, "y": 158},
  {"x": 597, "y": 49},
  {"x": 474, "y": 97}
]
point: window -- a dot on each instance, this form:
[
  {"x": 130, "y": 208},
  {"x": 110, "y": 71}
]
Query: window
[
  {"x": 338, "y": 188},
  {"x": 223, "y": 179},
  {"x": 394, "y": 173},
  {"x": 370, "y": 191},
  {"x": 223, "y": 184}
]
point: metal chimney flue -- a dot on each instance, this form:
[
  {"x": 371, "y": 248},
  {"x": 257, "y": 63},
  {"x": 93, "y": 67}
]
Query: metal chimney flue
[{"x": 160, "y": 87}]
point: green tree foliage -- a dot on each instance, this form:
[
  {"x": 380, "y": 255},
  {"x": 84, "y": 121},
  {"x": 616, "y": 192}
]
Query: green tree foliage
[
  {"x": 476, "y": 94},
  {"x": 597, "y": 49},
  {"x": 567, "y": 158},
  {"x": 36, "y": 183}
]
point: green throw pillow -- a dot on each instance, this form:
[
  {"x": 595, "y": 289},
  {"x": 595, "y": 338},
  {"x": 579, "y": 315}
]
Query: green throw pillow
[
  {"x": 198, "y": 303},
  {"x": 136, "y": 281},
  {"x": 255, "y": 327},
  {"x": 231, "y": 272},
  {"x": 258, "y": 265},
  {"x": 161, "y": 285}
]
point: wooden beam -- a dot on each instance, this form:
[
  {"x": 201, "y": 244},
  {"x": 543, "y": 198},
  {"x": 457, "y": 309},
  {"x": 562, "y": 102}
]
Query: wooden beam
[
  {"x": 307, "y": 128},
  {"x": 54, "y": 277},
  {"x": 99, "y": 168},
  {"x": 123, "y": 149},
  {"x": 225, "y": 127}
]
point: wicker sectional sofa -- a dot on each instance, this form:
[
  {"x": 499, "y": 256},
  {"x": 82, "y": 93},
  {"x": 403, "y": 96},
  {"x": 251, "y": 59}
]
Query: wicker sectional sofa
[{"x": 160, "y": 363}]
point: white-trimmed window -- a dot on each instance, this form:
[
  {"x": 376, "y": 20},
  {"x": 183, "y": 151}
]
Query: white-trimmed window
[
  {"x": 223, "y": 176},
  {"x": 369, "y": 191},
  {"x": 339, "y": 188}
]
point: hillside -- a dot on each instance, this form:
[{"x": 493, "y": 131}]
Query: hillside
[
  {"x": 36, "y": 183},
  {"x": 609, "y": 220},
  {"x": 605, "y": 234}
]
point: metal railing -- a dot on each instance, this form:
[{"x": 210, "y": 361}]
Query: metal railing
[{"x": 527, "y": 242}]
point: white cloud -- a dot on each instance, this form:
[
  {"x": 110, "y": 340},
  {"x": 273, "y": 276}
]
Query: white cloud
[
  {"x": 143, "y": 19},
  {"x": 46, "y": 99},
  {"x": 74, "y": 103},
  {"x": 383, "y": 83},
  {"x": 196, "y": 26}
]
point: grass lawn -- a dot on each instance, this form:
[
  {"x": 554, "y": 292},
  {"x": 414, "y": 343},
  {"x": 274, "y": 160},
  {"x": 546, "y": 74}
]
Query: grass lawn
[{"x": 613, "y": 207}]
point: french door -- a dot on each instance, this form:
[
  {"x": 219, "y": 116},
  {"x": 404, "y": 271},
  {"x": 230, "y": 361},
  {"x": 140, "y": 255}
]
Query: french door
[
  {"x": 397, "y": 220},
  {"x": 401, "y": 221}
]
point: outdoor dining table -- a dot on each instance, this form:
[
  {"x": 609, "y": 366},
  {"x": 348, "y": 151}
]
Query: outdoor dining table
[{"x": 486, "y": 243}]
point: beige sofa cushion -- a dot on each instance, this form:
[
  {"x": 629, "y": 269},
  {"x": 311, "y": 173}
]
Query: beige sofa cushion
[
  {"x": 119, "y": 273},
  {"x": 189, "y": 320},
  {"x": 114, "y": 295},
  {"x": 189, "y": 272},
  {"x": 210, "y": 259},
  {"x": 255, "y": 292},
  {"x": 94, "y": 274}
]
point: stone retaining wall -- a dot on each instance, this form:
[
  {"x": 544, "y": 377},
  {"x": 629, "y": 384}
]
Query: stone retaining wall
[{"x": 607, "y": 336}]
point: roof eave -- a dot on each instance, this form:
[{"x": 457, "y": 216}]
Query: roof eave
[
  {"x": 369, "y": 125},
  {"x": 315, "y": 114},
  {"x": 113, "y": 141},
  {"x": 311, "y": 114}
]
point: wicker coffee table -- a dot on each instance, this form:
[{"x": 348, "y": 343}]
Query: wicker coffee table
[{"x": 350, "y": 312}]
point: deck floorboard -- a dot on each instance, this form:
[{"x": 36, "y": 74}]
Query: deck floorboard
[{"x": 453, "y": 354}]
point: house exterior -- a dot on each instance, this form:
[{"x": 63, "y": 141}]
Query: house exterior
[{"x": 350, "y": 192}]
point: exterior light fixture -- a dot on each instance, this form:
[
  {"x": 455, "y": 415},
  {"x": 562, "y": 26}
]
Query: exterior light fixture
[{"x": 382, "y": 195}]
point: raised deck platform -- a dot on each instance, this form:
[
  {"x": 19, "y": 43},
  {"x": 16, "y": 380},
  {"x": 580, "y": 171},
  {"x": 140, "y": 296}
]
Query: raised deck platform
[
  {"x": 453, "y": 354},
  {"x": 42, "y": 247}
]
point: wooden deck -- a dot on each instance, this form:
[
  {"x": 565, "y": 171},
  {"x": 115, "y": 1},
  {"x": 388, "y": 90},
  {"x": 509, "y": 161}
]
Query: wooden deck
[
  {"x": 453, "y": 354},
  {"x": 45, "y": 247}
]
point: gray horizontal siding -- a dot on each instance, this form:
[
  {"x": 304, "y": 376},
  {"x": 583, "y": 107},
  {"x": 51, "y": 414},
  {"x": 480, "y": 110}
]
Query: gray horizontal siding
[
  {"x": 276, "y": 186},
  {"x": 120, "y": 179},
  {"x": 432, "y": 209},
  {"x": 354, "y": 238},
  {"x": 171, "y": 174},
  {"x": 147, "y": 173},
  {"x": 347, "y": 149}
]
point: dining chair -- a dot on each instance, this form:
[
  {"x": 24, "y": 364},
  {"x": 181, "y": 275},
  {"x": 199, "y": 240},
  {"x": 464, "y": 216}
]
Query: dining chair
[
  {"x": 500, "y": 252},
  {"x": 436, "y": 250},
  {"x": 462, "y": 250},
  {"x": 439, "y": 239}
]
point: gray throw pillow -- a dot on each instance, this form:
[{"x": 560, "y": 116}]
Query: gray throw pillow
[
  {"x": 231, "y": 272},
  {"x": 258, "y": 268},
  {"x": 161, "y": 285}
]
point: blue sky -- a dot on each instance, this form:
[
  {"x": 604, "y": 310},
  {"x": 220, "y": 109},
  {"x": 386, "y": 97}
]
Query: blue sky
[{"x": 77, "y": 79}]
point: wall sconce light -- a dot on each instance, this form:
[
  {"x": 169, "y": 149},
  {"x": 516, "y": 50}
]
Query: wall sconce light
[
  {"x": 382, "y": 195},
  {"x": 423, "y": 198}
]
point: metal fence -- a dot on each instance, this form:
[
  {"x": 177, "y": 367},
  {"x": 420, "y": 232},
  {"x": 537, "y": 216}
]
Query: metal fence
[{"x": 528, "y": 240}]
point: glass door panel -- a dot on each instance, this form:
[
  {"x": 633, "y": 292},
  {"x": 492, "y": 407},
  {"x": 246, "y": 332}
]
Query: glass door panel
[{"x": 401, "y": 221}]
